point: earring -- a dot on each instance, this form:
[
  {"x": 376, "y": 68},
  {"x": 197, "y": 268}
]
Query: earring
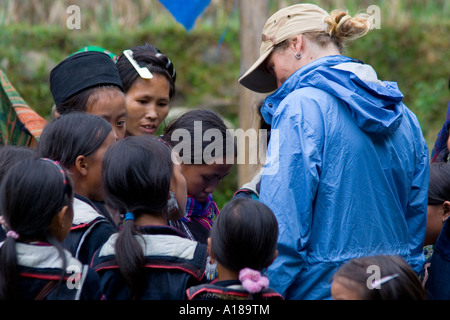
[
  {"x": 211, "y": 269},
  {"x": 172, "y": 205},
  {"x": 298, "y": 56}
]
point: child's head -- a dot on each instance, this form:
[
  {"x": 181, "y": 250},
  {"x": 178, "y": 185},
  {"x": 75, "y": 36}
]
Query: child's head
[
  {"x": 438, "y": 209},
  {"x": 206, "y": 148},
  {"x": 89, "y": 82},
  {"x": 137, "y": 175},
  {"x": 376, "y": 278},
  {"x": 10, "y": 155},
  {"x": 244, "y": 235},
  {"x": 79, "y": 141},
  {"x": 33, "y": 192},
  {"x": 147, "y": 100},
  {"x": 36, "y": 199}
]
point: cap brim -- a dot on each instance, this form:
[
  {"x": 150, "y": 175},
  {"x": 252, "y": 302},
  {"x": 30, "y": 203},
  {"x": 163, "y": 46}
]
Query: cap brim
[{"x": 257, "y": 79}]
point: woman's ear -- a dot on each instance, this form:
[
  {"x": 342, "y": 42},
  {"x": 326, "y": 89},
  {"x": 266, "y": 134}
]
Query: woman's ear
[
  {"x": 297, "y": 44},
  {"x": 81, "y": 165}
]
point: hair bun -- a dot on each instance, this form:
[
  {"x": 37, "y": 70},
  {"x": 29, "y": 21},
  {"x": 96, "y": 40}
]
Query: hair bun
[{"x": 344, "y": 27}]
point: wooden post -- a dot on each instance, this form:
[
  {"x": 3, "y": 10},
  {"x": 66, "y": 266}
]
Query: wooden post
[{"x": 253, "y": 16}]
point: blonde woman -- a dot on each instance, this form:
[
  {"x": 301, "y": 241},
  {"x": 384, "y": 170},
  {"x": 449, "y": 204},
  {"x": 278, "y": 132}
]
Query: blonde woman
[{"x": 351, "y": 165}]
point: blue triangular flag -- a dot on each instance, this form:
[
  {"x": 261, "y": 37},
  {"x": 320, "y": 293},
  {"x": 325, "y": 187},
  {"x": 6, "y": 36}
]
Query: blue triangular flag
[{"x": 186, "y": 11}]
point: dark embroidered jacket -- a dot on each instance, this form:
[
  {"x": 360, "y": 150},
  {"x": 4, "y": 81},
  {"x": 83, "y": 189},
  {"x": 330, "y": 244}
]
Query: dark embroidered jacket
[{"x": 172, "y": 264}]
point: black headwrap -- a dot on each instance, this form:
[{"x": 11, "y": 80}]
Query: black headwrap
[{"x": 82, "y": 71}]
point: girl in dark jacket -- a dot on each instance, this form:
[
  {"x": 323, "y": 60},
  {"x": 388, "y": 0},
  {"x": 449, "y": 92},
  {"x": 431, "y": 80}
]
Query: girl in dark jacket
[
  {"x": 147, "y": 259},
  {"x": 36, "y": 198},
  {"x": 79, "y": 141},
  {"x": 243, "y": 243}
]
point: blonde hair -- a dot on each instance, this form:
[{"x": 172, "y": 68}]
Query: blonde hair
[
  {"x": 343, "y": 28},
  {"x": 339, "y": 28}
]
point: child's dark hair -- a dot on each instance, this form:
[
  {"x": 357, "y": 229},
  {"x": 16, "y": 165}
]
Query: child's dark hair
[
  {"x": 31, "y": 194},
  {"x": 136, "y": 175},
  {"x": 150, "y": 57},
  {"x": 188, "y": 124},
  {"x": 71, "y": 135},
  {"x": 404, "y": 283},
  {"x": 81, "y": 101},
  {"x": 439, "y": 188},
  {"x": 245, "y": 235},
  {"x": 10, "y": 155}
]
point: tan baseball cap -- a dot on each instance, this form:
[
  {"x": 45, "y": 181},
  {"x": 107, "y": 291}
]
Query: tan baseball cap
[{"x": 282, "y": 25}]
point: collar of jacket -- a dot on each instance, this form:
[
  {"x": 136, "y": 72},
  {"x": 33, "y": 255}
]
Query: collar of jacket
[
  {"x": 292, "y": 83},
  {"x": 46, "y": 258}
]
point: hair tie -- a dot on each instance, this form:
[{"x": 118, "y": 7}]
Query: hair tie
[
  {"x": 129, "y": 216},
  {"x": 252, "y": 280},
  {"x": 342, "y": 21},
  {"x": 57, "y": 164},
  {"x": 12, "y": 234},
  {"x": 333, "y": 29}
]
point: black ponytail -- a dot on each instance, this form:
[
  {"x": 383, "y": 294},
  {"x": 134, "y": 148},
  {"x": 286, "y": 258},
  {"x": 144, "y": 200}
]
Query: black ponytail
[
  {"x": 136, "y": 175},
  {"x": 31, "y": 194}
]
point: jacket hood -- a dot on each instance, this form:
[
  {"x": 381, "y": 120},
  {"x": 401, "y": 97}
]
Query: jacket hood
[{"x": 376, "y": 106}]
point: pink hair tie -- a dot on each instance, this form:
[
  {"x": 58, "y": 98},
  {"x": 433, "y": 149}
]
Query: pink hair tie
[
  {"x": 12, "y": 234},
  {"x": 252, "y": 280}
]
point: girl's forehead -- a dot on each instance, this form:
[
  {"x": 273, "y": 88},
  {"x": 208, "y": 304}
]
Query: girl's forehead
[{"x": 214, "y": 169}]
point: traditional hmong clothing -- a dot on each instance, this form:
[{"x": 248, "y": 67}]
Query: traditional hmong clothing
[
  {"x": 229, "y": 290},
  {"x": 98, "y": 49},
  {"x": 41, "y": 269},
  {"x": 199, "y": 219},
  {"x": 172, "y": 264},
  {"x": 90, "y": 230},
  {"x": 19, "y": 124}
]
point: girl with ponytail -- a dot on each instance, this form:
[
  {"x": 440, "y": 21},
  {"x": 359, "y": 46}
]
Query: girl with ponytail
[
  {"x": 36, "y": 199},
  {"x": 243, "y": 243},
  {"x": 146, "y": 259}
]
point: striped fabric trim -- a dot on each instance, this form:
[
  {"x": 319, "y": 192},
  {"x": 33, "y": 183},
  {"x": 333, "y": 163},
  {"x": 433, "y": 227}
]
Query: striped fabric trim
[{"x": 19, "y": 124}]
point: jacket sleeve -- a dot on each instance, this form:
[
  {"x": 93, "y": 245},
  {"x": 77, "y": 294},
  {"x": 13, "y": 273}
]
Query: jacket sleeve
[
  {"x": 289, "y": 183},
  {"x": 416, "y": 210}
]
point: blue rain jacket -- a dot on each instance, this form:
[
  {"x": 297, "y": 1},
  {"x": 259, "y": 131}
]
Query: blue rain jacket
[{"x": 346, "y": 176}]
